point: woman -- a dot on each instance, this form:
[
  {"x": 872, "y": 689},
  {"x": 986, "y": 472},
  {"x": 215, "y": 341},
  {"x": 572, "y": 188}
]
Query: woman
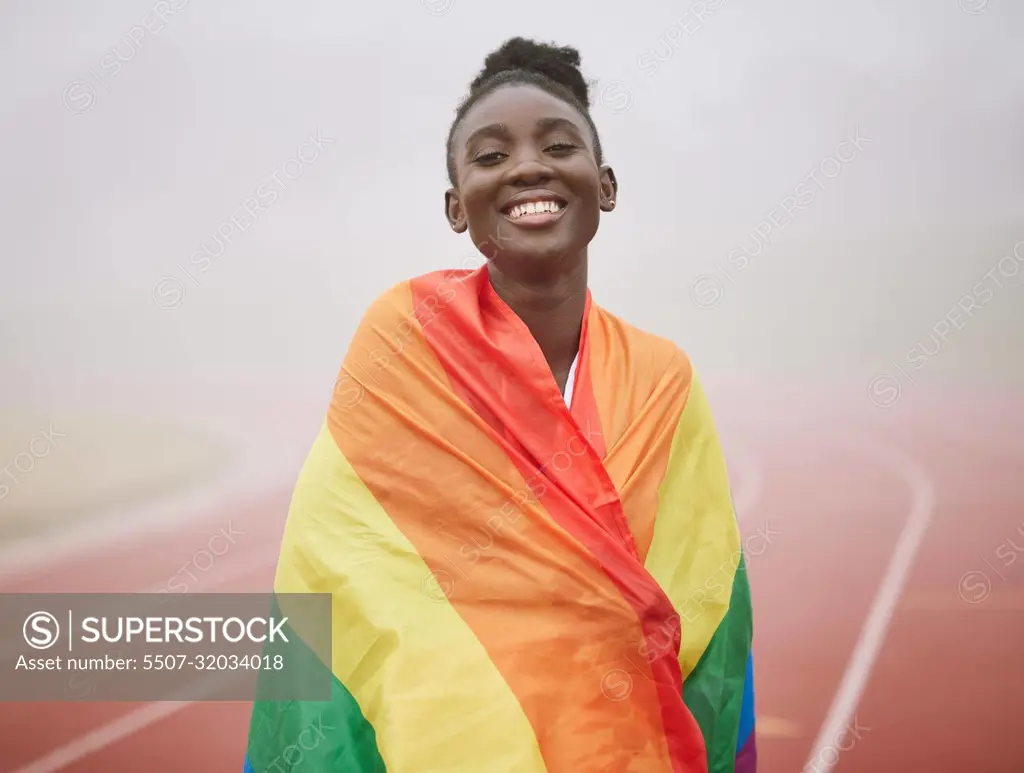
[{"x": 517, "y": 501}]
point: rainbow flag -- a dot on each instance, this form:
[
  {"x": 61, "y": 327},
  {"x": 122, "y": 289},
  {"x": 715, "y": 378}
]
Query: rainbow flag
[{"x": 516, "y": 585}]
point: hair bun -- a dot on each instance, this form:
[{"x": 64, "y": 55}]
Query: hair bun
[{"x": 559, "y": 63}]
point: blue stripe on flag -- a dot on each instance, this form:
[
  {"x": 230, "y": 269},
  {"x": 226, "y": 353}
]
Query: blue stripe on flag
[{"x": 747, "y": 711}]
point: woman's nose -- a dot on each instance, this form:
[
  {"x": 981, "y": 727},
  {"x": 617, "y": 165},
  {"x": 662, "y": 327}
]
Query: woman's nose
[{"x": 529, "y": 171}]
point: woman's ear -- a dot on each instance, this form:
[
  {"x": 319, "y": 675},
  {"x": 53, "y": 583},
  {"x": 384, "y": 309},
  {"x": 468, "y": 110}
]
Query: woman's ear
[
  {"x": 609, "y": 189},
  {"x": 453, "y": 211}
]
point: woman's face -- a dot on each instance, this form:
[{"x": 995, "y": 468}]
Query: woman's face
[{"x": 528, "y": 187}]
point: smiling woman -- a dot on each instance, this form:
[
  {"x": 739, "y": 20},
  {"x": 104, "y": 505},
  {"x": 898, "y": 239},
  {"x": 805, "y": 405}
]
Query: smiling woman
[
  {"x": 525, "y": 163},
  {"x": 517, "y": 500}
]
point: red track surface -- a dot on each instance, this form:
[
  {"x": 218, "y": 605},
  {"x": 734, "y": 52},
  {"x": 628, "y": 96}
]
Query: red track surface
[{"x": 831, "y": 493}]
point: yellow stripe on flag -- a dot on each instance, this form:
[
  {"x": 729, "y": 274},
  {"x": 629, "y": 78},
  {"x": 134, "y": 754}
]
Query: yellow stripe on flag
[
  {"x": 696, "y": 545},
  {"x": 339, "y": 540}
]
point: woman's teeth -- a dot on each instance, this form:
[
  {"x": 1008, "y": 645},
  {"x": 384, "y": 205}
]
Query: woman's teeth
[{"x": 534, "y": 208}]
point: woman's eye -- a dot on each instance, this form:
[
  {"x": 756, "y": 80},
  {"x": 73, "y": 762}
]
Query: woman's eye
[
  {"x": 561, "y": 147},
  {"x": 487, "y": 159}
]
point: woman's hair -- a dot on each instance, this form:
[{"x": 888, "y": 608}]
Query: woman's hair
[{"x": 555, "y": 69}]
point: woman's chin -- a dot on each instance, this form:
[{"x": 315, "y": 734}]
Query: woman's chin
[{"x": 537, "y": 259}]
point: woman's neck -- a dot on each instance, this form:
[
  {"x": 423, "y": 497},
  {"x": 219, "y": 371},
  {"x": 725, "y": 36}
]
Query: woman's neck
[{"x": 552, "y": 308}]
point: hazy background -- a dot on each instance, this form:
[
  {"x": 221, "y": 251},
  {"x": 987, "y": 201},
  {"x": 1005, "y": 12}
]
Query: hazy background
[
  {"x": 114, "y": 180},
  {"x": 133, "y": 131},
  {"x": 130, "y": 139},
  {"x": 130, "y": 375}
]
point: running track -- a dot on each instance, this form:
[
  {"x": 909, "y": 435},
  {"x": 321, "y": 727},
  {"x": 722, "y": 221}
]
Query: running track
[{"x": 860, "y": 523}]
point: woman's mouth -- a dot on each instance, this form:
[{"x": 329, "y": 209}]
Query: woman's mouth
[{"x": 535, "y": 213}]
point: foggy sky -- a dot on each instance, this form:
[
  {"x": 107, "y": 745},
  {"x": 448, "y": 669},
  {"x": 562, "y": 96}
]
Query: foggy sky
[{"x": 116, "y": 175}]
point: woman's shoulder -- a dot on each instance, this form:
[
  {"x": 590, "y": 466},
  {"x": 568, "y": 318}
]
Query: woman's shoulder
[
  {"x": 433, "y": 289},
  {"x": 655, "y": 353},
  {"x": 396, "y": 300}
]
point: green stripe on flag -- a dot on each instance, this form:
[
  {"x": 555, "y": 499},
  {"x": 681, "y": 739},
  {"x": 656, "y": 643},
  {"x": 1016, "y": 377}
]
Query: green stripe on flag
[
  {"x": 714, "y": 691},
  {"x": 287, "y": 735},
  {"x": 313, "y": 737}
]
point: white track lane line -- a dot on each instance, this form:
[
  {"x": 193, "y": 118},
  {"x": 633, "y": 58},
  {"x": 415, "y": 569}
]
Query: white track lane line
[
  {"x": 103, "y": 736},
  {"x": 15, "y": 645},
  {"x": 120, "y": 728},
  {"x": 872, "y": 634}
]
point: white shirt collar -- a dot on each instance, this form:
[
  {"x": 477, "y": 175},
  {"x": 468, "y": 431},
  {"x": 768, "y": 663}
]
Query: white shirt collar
[{"x": 570, "y": 383}]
